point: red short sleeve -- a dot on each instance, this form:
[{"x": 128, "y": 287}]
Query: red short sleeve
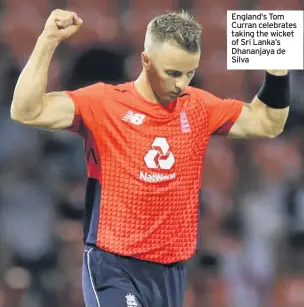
[
  {"x": 222, "y": 113},
  {"x": 84, "y": 100}
]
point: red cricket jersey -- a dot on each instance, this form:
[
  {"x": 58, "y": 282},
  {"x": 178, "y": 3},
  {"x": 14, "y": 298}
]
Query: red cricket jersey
[{"x": 144, "y": 165}]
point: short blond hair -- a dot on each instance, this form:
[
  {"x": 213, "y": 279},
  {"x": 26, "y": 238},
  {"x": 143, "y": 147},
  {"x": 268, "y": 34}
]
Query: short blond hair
[{"x": 179, "y": 28}]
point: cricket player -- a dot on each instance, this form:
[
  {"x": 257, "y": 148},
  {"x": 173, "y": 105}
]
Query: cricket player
[{"x": 145, "y": 143}]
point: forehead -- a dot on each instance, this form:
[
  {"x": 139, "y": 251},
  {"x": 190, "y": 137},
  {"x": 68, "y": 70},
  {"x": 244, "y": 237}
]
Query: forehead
[{"x": 170, "y": 56}]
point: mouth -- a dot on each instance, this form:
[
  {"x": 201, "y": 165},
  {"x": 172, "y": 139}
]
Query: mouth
[{"x": 174, "y": 94}]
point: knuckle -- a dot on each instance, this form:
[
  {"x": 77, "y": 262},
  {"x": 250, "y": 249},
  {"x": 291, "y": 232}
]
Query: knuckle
[
  {"x": 57, "y": 11},
  {"x": 68, "y": 13}
]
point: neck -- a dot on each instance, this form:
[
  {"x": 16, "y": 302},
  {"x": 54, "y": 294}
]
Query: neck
[{"x": 144, "y": 88}]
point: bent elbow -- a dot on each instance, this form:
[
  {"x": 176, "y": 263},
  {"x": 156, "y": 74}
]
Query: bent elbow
[
  {"x": 14, "y": 114},
  {"x": 17, "y": 116},
  {"x": 21, "y": 113},
  {"x": 275, "y": 132}
]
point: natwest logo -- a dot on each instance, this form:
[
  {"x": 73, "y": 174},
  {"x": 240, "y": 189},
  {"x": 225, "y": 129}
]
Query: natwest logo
[
  {"x": 156, "y": 177},
  {"x": 158, "y": 157}
]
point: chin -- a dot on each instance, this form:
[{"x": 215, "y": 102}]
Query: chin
[
  {"x": 173, "y": 97},
  {"x": 163, "y": 98}
]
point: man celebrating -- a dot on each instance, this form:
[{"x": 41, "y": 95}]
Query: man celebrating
[{"x": 145, "y": 142}]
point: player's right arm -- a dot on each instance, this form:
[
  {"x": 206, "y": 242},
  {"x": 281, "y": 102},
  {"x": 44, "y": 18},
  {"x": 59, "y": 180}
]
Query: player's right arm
[{"x": 31, "y": 104}]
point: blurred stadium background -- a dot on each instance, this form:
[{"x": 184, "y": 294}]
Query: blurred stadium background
[{"x": 253, "y": 208}]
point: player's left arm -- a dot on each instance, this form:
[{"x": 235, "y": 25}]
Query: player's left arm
[{"x": 266, "y": 115}]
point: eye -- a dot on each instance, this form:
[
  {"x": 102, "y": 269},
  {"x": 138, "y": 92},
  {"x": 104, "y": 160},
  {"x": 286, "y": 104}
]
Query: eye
[
  {"x": 191, "y": 74},
  {"x": 173, "y": 73}
]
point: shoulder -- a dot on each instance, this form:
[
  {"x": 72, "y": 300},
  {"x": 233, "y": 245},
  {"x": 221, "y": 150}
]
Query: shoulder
[
  {"x": 96, "y": 93},
  {"x": 201, "y": 96},
  {"x": 98, "y": 89}
]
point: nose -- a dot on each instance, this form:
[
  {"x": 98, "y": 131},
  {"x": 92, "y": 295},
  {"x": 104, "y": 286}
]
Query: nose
[{"x": 180, "y": 84}]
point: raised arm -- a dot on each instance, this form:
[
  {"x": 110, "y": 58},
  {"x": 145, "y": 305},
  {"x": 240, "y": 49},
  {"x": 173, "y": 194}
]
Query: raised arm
[
  {"x": 31, "y": 105},
  {"x": 266, "y": 115}
]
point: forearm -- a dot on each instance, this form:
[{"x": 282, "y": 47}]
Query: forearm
[
  {"x": 31, "y": 85},
  {"x": 272, "y": 102}
]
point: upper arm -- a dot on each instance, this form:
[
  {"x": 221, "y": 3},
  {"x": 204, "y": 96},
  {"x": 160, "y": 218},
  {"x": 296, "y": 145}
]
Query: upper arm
[
  {"x": 58, "y": 112},
  {"x": 72, "y": 110},
  {"x": 258, "y": 120},
  {"x": 246, "y": 125},
  {"x": 222, "y": 113}
]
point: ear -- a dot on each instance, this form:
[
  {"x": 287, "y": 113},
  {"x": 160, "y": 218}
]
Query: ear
[{"x": 145, "y": 61}]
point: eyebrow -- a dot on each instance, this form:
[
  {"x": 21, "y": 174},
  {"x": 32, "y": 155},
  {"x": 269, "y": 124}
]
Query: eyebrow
[{"x": 171, "y": 69}]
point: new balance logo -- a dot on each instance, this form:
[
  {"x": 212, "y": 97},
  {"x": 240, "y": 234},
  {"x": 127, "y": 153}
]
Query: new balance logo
[
  {"x": 159, "y": 157},
  {"x": 134, "y": 118},
  {"x": 131, "y": 300}
]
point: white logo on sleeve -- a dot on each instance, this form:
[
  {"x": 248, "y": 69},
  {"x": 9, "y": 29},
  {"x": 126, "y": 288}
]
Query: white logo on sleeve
[
  {"x": 134, "y": 118},
  {"x": 131, "y": 300},
  {"x": 159, "y": 157}
]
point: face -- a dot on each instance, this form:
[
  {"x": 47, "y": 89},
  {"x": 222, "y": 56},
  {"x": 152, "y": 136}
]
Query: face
[{"x": 169, "y": 70}]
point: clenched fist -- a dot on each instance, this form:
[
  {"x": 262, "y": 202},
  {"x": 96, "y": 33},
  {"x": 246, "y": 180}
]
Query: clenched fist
[{"x": 61, "y": 25}]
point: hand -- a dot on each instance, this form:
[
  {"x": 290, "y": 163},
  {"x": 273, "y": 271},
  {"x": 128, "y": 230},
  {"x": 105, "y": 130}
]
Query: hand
[
  {"x": 61, "y": 25},
  {"x": 278, "y": 72}
]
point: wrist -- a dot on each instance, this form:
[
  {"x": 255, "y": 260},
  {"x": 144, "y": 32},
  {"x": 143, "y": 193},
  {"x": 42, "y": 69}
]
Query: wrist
[
  {"x": 48, "y": 40},
  {"x": 275, "y": 91},
  {"x": 277, "y": 72}
]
